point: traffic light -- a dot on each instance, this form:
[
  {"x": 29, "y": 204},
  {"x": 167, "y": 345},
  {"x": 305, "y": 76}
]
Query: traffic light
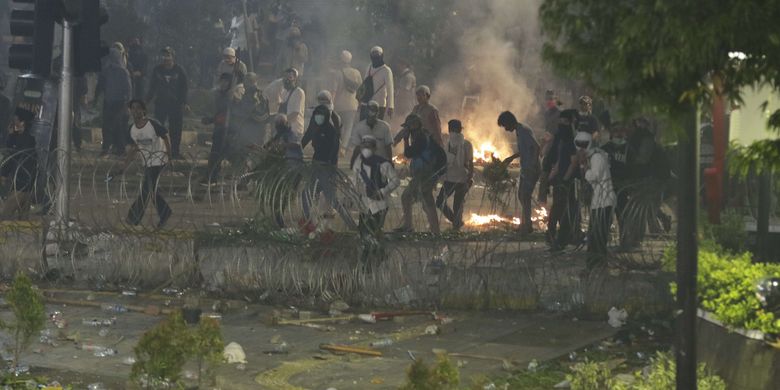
[
  {"x": 88, "y": 46},
  {"x": 32, "y": 25}
]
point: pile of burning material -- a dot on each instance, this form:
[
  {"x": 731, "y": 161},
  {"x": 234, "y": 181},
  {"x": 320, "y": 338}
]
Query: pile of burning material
[
  {"x": 498, "y": 182},
  {"x": 538, "y": 219}
]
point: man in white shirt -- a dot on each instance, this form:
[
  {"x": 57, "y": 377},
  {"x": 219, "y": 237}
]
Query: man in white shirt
[
  {"x": 594, "y": 163},
  {"x": 150, "y": 140},
  {"x": 377, "y": 86},
  {"x": 345, "y": 83},
  {"x": 232, "y": 65},
  {"x": 291, "y": 100},
  {"x": 377, "y": 129}
]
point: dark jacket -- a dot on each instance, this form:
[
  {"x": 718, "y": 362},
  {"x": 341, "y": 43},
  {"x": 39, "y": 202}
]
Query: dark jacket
[
  {"x": 168, "y": 86},
  {"x": 137, "y": 59},
  {"x": 324, "y": 139},
  {"x": 566, "y": 149},
  {"x": 22, "y": 164}
]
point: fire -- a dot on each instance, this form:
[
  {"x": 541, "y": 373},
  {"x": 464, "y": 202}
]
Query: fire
[
  {"x": 486, "y": 152},
  {"x": 538, "y": 219},
  {"x": 399, "y": 159}
]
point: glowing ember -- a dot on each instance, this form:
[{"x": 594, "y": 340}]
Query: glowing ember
[{"x": 399, "y": 159}]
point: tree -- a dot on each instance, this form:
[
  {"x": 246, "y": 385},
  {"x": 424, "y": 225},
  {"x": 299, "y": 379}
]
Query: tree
[
  {"x": 668, "y": 56},
  {"x": 27, "y": 305}
]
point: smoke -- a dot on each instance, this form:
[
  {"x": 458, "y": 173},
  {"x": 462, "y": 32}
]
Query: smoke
[{"x": 498, "y": 62}]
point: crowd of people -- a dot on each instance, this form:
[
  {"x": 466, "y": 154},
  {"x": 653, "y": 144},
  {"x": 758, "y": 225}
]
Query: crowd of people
[{"x": 578, "y": 157}]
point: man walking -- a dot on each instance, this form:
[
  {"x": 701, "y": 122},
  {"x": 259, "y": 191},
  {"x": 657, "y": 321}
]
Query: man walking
[
  {"x": 530, "y": 168},
  {"x": 459, "y": 176},
  {"x": 168, "y": 88},
  {"x": 150, "y": 140},
  {"x": 428, "y": 163}
]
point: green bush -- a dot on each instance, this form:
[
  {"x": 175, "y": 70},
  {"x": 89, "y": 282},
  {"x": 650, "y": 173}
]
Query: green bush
[
  {"x": 661, "y": 376},
  {"x": 727, "y": 286},
  {"x": 207, "y": 347},
  {"x": 27, "y": 305},
  {"x": 162, "y": 352},
  {"x": 442, "y": 376},
  {"x": 730, "y": 233}
]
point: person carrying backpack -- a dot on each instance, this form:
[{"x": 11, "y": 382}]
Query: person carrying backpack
[{"x": 428, "y": 164}]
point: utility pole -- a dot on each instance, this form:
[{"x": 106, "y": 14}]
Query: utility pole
[
  {"x": 65, "y": 121},
  {"x": 687, "y": 252}
]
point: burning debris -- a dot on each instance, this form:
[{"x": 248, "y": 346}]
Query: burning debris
[{"x": 538, "y": 218}]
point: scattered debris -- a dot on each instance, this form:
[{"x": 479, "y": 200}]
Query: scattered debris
[
  {"x": 99, "y": 321},
  {"x": 533, "y": 365},
  {"x": 339, "y": 305},
  {"x": 382, "y": 343},
  {"x": 349, "y": 349},
  {"x": 432, "y": 330},
  {"x": 565, "y": 384}
]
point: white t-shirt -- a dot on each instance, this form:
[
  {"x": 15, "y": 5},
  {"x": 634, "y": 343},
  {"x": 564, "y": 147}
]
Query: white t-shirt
[
  {"x": 384, "y": 93},
  {"x": 151, "y": 145},
  {"x": 381, "y": 132},
  {"x": 296, "y": 104}
]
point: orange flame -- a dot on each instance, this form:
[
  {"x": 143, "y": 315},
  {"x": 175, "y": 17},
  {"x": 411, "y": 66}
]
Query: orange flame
[{"x": 538, "y": 218}]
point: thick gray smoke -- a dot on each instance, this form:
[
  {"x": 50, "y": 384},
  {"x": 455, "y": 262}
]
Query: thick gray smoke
[{"x": 500, "y": 45}]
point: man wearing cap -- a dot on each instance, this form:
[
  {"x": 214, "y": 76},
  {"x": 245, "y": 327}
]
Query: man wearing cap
[
  {"x": 346, "y": 82},
  {"x": 21, "y": 167},
  {"x": 375, "y": 179},
  {"x": 593, "y": 163},
  {"x": 168, "y": 89},
  {"x": 291, "y": 100},
  {"x": 416, "y": 146},
  {"x": 232, "y": 65},
  {"x": 377, "y": 86},
  {"x": 459, "y": 176},
  {"x": 378, "y": 129}
]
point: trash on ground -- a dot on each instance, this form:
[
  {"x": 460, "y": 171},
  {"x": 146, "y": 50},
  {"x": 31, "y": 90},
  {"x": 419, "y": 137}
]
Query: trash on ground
[
  {"x": 58, "y": 319},
  {"x": 96, "y": 386},
  {"x": 115, "y": 308},
  {"x": 234, "y": 353},
  {"x": 617, "y": 318},
  {"x": 432, "y": 330},
  {"x": 533, "y": 365},
  {"x": 339, "y": 305},
  {"x": 99, "y": 321},
  {"x": 98, "y": 350},
  {"x": 382, "y": 343}
]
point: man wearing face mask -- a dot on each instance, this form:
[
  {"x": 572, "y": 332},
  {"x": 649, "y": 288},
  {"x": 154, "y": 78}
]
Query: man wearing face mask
[
  {"x": 620, "y": 157},
  {"x": 459, "y": 177},
  {"x": 377, "y": 129},
  {"x": 21, "y": 167},
  {"x": 324, "y": 137},
  {"x": 421, "y": 150},
  {"x": 594, "y": 165},
  {"x": 377, "y": 86},
  {"x": 168, "y": 88},
  {"x": 325, "y": 98},
  {"x": 375, "y": 179}
]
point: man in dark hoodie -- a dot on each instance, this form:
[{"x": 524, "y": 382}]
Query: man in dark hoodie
[
  {"x": 115, "y": 85},
  {"x": 324, "y": 137},
  {"x": 21, "y": 167},
  {"x": 564, "y": 210},
  {"x": 138, "y": 63},
  {"x": 168, "y": 87}
]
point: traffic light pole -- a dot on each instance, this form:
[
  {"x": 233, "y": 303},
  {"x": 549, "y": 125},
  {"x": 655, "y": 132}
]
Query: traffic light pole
[{"x": 65, "y": 120}]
